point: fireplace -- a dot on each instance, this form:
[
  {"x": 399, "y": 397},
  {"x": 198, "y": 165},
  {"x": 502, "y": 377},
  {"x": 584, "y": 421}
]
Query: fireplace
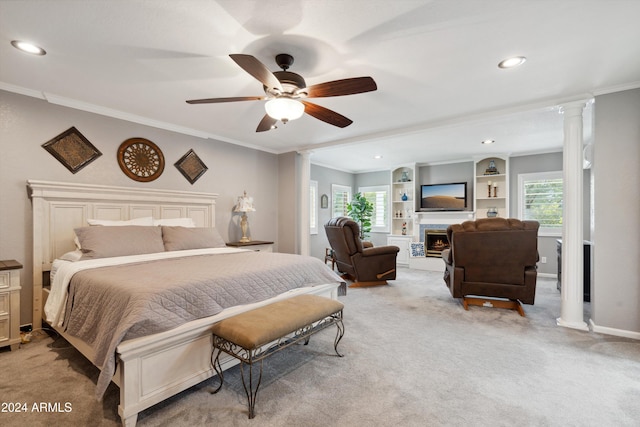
[{"x": 435, "y": 241}]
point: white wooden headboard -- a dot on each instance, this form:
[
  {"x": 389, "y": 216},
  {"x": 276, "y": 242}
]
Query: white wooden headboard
[{"x": 59, "y": 207}]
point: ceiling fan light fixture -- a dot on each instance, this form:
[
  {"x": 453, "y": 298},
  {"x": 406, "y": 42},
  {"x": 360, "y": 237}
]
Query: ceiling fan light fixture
[{"x": 284, "y": 109}]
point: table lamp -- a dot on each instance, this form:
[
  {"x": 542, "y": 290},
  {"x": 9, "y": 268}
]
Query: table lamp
[{"x": 245, "y": 204}]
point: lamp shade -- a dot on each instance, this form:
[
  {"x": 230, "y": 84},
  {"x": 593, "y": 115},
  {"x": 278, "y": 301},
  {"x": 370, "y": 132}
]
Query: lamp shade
[
  {"x": 284, "y": 109},
  {"x": 245, "y": 204}
]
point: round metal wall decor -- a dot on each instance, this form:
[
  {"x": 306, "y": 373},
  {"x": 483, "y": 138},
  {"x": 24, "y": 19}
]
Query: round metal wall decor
[{"x": 140, "y": 159}]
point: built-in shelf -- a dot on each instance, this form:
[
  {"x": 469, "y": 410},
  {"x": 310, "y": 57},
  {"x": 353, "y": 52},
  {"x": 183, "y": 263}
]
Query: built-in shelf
[
  {"x": 491, "y": 189},
  {"x": 403, "y": 210},
  {"x": 403, "y": 200}
]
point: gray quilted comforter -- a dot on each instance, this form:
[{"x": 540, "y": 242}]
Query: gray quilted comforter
[{"x": 107, "y": 305}]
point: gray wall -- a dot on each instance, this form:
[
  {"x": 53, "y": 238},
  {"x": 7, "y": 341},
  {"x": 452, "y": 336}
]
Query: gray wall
[
  {"x": 546, "y": 163},
  {"x": 616, "y": 234},
  {"x": 372, "y": 179},
  {"x": 26, "y": 123},
  {"x": 326, "y": 177},
  {"x": 288, "y": 190},
  {"x": 445, "y": 173},
  {"x": 530, "y": 164}
]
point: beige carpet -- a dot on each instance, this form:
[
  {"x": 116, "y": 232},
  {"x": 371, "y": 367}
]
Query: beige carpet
[{"x": 413, "y": 357}]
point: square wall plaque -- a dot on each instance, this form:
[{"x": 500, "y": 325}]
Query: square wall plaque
[
  {"x": 191, "y": 166},
  {"x": 72, "y": 149}
]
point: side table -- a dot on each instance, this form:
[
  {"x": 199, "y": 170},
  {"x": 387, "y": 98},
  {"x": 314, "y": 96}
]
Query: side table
[
  {"x": 256, "y": 245},
  {"x": 10, "y": 303}
]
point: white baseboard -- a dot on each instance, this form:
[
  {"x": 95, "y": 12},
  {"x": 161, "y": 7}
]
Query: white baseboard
[{"x": 613, "y": 331}]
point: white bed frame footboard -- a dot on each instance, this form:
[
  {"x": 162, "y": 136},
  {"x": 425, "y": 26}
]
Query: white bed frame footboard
[{"x": 153, "y": 368}]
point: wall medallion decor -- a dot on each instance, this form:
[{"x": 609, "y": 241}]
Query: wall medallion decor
[
  {"x": 190, "y": 166},
  {"x": 72, "y": 149},
  {"x": 140, "y": 159}
]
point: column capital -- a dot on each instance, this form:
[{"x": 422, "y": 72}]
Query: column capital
[{"x": 572, "y": 108}]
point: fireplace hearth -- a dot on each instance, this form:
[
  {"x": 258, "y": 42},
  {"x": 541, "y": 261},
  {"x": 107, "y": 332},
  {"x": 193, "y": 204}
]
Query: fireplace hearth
[{"x": 435, "y": 241}]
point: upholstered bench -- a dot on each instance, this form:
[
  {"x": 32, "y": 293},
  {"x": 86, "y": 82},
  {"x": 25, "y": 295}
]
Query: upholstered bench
[{"x": 253, "y": 335}]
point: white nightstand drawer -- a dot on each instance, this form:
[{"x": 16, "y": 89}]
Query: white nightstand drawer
[
  {"x": 10, "y": 303},
  {"x": 5, "y": 279},
  {"x": 4, "y": 328},
  {"x": 4, "y": 303}
]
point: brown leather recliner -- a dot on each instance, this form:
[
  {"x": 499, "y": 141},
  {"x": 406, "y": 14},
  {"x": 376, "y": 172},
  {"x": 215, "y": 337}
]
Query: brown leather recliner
[
  {"x": 364, "y": 265},
  {"x": 492, "y": 257}
]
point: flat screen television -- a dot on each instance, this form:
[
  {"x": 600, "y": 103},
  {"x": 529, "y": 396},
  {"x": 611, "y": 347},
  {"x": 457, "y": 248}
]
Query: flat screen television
[{"x": 443, "y": 197}]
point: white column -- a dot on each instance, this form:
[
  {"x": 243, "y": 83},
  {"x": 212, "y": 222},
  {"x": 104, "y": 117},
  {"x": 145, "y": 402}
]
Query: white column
[
  {"x": 304, "y": 210},
  {"x": 571, "y": 312}
]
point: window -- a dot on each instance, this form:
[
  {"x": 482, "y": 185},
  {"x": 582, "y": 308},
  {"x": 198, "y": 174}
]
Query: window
[
  {"x": 540, "y": 199},
  {"x": 340, "y": 196},
  {"x": 379, "y": 197},
  {"x": 313, "y": 208}
]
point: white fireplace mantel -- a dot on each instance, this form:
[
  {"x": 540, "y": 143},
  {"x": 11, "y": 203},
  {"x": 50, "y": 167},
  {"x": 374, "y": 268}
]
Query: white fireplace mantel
[{"x": 443, "y": 217}]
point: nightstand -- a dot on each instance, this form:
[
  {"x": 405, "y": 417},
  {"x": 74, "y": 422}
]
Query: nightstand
[
  {"x": 10, "y": 303},
  {"x": 256, "y": 245}
]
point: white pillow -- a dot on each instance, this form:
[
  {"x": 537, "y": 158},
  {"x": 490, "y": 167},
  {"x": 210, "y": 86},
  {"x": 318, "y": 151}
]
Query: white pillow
[
  {"x": 175, "y": 222},
  {"x": 72, "y": 256},
  {"x": 110, "y": 223}
]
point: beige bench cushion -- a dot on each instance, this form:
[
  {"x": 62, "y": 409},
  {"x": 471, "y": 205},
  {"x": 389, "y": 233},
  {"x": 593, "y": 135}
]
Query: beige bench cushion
[{"x": 257, "y": 327}]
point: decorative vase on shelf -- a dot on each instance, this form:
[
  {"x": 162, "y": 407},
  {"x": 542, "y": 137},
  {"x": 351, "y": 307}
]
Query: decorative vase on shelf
[
  {"x": 404, "y": 197},
  {"x": 492, "y": 212},
  {"x": 405, "y": 176}
]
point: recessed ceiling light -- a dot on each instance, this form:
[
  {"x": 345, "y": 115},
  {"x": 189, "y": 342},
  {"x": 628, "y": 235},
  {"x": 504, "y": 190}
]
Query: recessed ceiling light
[
  {"x": 512, "y": 62},
  {"x": 488, "y": 141},
  {"x": 28, "y": 47},
  {"x": 377, "y": 156}
]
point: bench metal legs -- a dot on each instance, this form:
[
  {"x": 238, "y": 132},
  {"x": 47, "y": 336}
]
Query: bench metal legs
[
  {"x": 249, "y": 391},
  {"x": 252, "y": 356},
  {"x": 339, "y": 335}
]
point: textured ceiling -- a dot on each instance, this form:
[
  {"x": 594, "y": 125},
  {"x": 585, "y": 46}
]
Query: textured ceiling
[{"x": 439, "y": 94}]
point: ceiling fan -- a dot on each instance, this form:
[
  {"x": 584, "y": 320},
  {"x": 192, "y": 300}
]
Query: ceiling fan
[{"x": 285, "y": 92}]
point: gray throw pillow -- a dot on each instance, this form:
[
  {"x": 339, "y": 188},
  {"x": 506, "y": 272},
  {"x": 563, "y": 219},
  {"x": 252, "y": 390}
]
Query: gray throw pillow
[
  {"x": 182, "y": 238},
  {"x": 106, "y": 242}
]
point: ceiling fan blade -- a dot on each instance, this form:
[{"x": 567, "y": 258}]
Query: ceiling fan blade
[
  {"x": 258, "y": 70},
  {"x": 350, "y": 86},
  {"x": 326, "y": 115},
  {"x": 267, "y": 123},
  {"x": 218, "y": 100}
]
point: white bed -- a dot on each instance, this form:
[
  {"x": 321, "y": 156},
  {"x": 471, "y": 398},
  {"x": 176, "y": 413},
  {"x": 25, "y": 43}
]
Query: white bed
[{"x": 150, "y": 368}]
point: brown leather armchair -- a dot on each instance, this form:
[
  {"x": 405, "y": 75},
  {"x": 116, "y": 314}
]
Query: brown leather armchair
[
  {"x": 493, "y": 257},
  {"x": 366, "y": 266}
]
